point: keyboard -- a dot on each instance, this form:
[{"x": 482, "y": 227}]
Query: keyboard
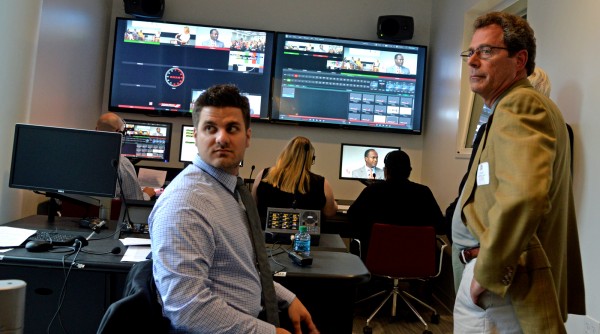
[{"x": 56, "y": 238}]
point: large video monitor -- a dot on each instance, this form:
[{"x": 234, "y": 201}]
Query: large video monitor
[
  {"x": 187, "y": 148},
  {"x": 62, "y": 161},
  {"x": 147, "y": 140},
  {"x": 161, "y": 68},
  {"x": 347, "y": 83},
  {"x": 353, "y": 162}
]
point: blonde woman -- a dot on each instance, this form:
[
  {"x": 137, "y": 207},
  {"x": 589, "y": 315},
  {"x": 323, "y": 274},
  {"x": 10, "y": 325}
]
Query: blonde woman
[{"x": 291, "y": 184}]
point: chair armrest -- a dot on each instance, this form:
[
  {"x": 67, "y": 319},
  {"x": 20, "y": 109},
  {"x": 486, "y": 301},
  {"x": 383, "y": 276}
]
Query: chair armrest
[{"x": 443, "y": 245}]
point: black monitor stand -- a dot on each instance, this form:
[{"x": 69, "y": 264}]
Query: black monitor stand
[{"x": 54, "y": 204}]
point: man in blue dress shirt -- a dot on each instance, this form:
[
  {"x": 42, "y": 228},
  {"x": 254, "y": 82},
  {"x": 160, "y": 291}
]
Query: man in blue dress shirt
[{"x": 204, "y": 261}]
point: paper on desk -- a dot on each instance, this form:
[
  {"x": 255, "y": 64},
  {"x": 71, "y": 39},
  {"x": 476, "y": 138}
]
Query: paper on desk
[
  {"x": 151, "y": 177},
  {"x": 13, "y": 236},
  {"x": 135, "y": 241},
  {"x": 136, "y": 254}
]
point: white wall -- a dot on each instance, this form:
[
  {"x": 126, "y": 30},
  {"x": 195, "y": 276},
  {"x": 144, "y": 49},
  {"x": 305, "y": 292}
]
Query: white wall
[
  {"x": 567, "y": 50},
  {"x": 17, "y": 56},
  {"x": 69, "y": 73}
]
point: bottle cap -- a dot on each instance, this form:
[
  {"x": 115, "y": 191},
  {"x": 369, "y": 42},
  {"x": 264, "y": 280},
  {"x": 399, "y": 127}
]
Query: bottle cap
[{"x": 303, "y": 228}]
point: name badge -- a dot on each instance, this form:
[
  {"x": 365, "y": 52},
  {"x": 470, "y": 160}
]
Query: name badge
[{"x": 483, "y": 174}]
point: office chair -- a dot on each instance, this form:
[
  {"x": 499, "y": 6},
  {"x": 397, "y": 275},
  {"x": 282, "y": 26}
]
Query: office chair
[
  {"x": 139, "y": 311},
  {"x": 403, "y": 253}
]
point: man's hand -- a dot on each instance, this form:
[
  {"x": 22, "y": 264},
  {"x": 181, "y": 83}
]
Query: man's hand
[
  {"x": 149, "y": 191},
  {"x": 299, "y": 314}
]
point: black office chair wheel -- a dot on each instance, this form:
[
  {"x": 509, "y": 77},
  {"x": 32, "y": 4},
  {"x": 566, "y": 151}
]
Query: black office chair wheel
[
  {"x": 435, "y": 318},
  {"x": 367, "y": 330}
]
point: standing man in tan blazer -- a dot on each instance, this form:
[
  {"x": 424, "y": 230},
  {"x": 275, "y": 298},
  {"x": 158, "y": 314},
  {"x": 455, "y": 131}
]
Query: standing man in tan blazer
[{"x": 515, "y": 221}]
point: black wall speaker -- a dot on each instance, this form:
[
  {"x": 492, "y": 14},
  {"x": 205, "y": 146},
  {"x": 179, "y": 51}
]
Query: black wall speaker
[
  {"x": 395, "y": 27},
  {"x": 151, "y": 9}
]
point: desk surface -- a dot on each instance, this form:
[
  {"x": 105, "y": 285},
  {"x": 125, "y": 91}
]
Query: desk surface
[
  {"x": 104, "y": 262},
  {"x": 326, "y": 266}
]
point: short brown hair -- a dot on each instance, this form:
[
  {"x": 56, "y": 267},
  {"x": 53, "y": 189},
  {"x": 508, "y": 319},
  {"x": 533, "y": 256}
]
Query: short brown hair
[
  {"x": 518, "y": 34},
  {"x": 224, "y": 95}
]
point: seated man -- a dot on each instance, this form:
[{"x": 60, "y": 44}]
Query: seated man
[
  {"x": 209, "y": 258},
  {"x": 111, "y": 122},
  {"x": 396, "y": 201}
]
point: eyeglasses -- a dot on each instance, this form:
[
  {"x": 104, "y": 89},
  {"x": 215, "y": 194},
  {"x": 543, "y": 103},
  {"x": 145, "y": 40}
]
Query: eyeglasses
[
  {"x": 483, "y": 52},
  {"x": 124, "y": 131}
]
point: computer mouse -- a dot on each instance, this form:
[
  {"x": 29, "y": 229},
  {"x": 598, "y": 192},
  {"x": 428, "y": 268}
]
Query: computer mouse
[{"x": 38, "y": 246}]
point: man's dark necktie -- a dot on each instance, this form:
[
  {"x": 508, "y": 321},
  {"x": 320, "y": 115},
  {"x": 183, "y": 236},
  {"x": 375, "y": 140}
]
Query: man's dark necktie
[{"x": 266, "y": 280}]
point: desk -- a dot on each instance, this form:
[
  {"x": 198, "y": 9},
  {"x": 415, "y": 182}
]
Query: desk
[
  {"x": 326, "y": 288},
  {"x": 89, "y": 290}
]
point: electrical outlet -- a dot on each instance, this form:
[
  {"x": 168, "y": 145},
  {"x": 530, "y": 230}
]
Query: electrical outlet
[{"x": 592, "y": 326}]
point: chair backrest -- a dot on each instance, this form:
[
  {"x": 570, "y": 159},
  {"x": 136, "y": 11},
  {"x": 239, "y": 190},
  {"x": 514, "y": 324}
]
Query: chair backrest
[
  {"x": 139, "y": 311},
  {"x": 402, "y": 251}
]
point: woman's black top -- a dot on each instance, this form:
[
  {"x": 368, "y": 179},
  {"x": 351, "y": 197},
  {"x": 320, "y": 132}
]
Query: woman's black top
[{"x": 270, "y": 196}]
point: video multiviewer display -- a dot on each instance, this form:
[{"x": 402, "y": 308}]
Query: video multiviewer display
[
  {"x": 349, "y": 83},
  {"x": 161, "y": 67}
]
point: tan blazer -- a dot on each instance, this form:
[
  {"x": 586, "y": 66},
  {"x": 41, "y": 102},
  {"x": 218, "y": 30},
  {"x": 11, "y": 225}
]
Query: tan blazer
[{"x": 522, "y": 211}]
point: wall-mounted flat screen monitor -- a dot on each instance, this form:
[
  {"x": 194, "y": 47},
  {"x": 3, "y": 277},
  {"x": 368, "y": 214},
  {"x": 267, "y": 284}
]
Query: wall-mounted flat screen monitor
[
  {"x": 363, "y": 162},
  {"x": 187, "y": 148},
  {"x": 65, "y": 161},
  {"x": 347, "y": 83},
  {"x": 147, "y": 140},
  {"x": 161, "y": 68}
]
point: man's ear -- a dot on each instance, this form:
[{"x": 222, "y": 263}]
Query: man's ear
[
  {"x": 522, "y": 56},
  {"x": 248, "y": 136}
]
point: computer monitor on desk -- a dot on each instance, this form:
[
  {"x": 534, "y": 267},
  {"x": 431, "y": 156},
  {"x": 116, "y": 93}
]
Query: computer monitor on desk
[
  {"x": 59, "y": 161},
  {"x": 134, "y": 216},
  {"x": 147, "y": 140},
  {"x": 354, "y": 159}
]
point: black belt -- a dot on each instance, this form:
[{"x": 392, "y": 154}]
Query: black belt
[{"x": 466, "y": 255}]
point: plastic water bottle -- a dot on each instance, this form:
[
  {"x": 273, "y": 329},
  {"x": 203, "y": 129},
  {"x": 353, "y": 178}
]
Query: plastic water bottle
[{"x": 302, "y": 241}]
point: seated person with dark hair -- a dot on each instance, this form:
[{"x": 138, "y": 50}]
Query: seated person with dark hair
[
  {"x": 396, "y": 201},
  {"x": 111, "y": 122}
]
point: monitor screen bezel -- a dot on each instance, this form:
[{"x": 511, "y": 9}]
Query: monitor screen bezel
[
  {"x": 420, "y": 77},
  {"x": 168, "y": 137},
  {"x": 46, "y": 160},
  {"x": 361, "y": 148}
]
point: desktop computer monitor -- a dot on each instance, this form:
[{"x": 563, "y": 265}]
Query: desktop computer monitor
[
  {"x": 352, "y": 160},
  {"x": 187, "y": 146},
  {"x": 147, "y": 140},
  {"x": 61, "y": 161}
]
